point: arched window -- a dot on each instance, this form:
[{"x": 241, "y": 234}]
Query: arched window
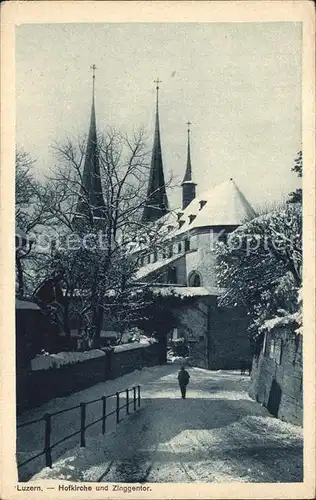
[{"x": 195, "y": 279}]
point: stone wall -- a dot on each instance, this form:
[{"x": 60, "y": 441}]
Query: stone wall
[
  {"x": 33, "y": 388},
  {"x": 277, "y": 375}
]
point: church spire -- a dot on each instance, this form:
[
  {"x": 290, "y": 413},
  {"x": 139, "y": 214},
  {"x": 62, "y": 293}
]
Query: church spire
[
  {"x": 188, "y": 187},
  {"x": 91, "y": 202},
  {"x": 156, "y": 202}
]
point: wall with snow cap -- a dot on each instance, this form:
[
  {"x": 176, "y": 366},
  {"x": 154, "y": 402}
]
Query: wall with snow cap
[
  {"x": 277, "y": 374},
  {"x": 42, "y": 385}
]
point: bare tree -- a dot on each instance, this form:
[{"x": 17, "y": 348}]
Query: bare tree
[
  {"x": 92, "y": 255},
  {"x": 32, "y": 202}
]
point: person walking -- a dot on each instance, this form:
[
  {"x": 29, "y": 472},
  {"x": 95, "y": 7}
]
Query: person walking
[{"x": 183, "y": 378}]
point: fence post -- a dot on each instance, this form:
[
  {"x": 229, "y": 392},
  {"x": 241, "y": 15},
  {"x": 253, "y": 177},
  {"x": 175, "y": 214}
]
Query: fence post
[
  {"x": 48, "y": 430},
  {"x": 103, "y": 414},
  {"x": 117, "y": 407},
  {"x": 127, "y": 402},
  {"x": 82, "y": 424},
  {"x": 138, "y": 389},
  {"x": 134, "y": 397}
]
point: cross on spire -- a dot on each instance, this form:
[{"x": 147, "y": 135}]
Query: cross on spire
[
  {"x": 157, "y": 83},
  {"x": 93, "y": 67}
]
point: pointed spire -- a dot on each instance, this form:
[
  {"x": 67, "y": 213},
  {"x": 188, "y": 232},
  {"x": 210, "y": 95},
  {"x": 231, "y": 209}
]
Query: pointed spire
[
  {"x": 188, "y": 186},
  {"x": 156, "y": 202},
  {"x": 188, "y": 172},
  {"x": 91, "y": 202}
]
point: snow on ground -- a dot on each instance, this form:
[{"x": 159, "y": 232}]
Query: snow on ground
[{"x": 218, "y": 434}]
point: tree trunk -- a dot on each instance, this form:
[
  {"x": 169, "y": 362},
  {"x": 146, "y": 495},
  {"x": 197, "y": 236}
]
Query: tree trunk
[
  {"x": 20, "y": 275},
  {"x": 66, "y": 316}
]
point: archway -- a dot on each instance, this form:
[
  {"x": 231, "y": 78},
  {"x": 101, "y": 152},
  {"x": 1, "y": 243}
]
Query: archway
[{"x": 194, "y": 279}]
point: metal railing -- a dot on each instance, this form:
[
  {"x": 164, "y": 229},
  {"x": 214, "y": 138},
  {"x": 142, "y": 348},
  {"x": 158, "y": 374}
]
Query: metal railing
[{"x": 133, "y": 402}]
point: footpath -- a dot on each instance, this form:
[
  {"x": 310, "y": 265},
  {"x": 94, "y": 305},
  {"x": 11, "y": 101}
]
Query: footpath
[{"x": 218, "y": 434}]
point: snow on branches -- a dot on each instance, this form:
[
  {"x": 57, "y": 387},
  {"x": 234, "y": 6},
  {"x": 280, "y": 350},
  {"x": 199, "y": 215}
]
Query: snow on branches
[{"x": 261, "y": 264}]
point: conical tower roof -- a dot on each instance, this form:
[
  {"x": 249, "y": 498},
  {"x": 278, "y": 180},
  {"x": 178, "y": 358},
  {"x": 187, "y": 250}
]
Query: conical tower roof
[
  {"x": 91, "y": 201},
  {"x": 156, "y": 202},
  {"x": 222, "y": 205}
]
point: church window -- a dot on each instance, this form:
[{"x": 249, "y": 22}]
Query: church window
[
  {"x": 179, "y": 247},
  {"x": 195, "y": 279},
  {"x": 170, "y": 251},
  {"x": 186, "y": 245},
  {"x": 155, "y": 256},
  {"x": 148, "y": 258}
]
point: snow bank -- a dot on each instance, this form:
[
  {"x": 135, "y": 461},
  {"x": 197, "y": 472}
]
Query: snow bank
[
  {"x": 46, "y": 361},
  {"x": 132, "y": 345},
  {"x": 279, "y": 321},
  {"x": 177, "y": 359}
]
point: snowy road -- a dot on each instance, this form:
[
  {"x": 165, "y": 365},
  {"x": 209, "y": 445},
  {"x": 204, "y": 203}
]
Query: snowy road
[{"x": 218, "y": 434}]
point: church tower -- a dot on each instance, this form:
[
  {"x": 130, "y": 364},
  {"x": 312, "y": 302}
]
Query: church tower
[
  {"x": 156, "y": 202},
  {"x": 188, "y": 186},
  {"x": 90, "y": 203}
]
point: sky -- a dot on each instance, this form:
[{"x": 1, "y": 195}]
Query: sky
[{"x": 238, "y": 83}]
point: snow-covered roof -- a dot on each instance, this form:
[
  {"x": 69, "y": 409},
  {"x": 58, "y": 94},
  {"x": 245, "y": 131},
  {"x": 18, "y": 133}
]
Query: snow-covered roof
[
  {"x": 25, "y": 304},
  {"x": 224, "y": 205},
  {"x": 186, "y": 291},
  {"x": 155, "y": 266}
]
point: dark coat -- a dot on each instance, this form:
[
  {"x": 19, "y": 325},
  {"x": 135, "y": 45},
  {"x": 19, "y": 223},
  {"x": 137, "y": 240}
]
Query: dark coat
[{"x": 183, "y": 377}]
